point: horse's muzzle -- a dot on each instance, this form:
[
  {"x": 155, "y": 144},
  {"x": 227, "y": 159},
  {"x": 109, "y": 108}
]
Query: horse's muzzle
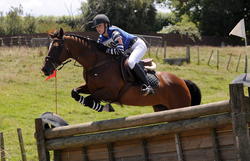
[{"x": 46, "y": 72}]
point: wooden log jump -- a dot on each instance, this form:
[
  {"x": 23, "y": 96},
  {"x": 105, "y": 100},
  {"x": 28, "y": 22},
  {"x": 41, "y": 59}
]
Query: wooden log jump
[{"x": 214, "y": 131}]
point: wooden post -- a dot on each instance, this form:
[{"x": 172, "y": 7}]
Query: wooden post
[
  {"x": 229, "y": 61},
  {"x": 165, "y": 49},
  {"x": 19, "y": 41},
  {"x": 11, "y": 41},
  {"x": 57, "y": 155},
  {"x": 178, "y": 148},
  {"x": 237, "y": 67},
  {"x": 218, "y": 59},
  {"x": 26, "y": 42},
  {"x": 215, "y": 145},
  {"x": 188, "y": 54},
  {"x": 110, "y": 147},
  {"x": 43, "y": 154},
  {"x": 198, "y": 55},
  {"x": 85, "y": 154},
  {"x": 145, "y": 150},
  {"x": 150, "y": 43},
  {"x": 2, "y": 152},
  {"x": 20, "y": 138},
  {"x": 2, "y": 43},
  {"x": 240, "y": 106},
  {"x": 212, "y": 52},
  {"x": 157, "y": 50}
]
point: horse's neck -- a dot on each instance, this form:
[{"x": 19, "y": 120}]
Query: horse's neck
[
  {"x": 81, "y": 51},
  {"x": 86, "y": 53}
]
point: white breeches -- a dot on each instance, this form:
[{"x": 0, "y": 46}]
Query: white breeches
[{"x": 138, "y": 49}]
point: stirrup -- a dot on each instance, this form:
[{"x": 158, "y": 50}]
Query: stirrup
[{"x": 147, "y": 90}]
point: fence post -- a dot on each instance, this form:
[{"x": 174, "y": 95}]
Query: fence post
[
  {"x": 212, "y": 52},
  {"x": 240, "y": 106},
  {"x": 2, "y": 152},
  {"x": 179, "y": 150},
  {"x": 21, "y": 143},
  {"x": 157, "y": 50},
  {"x": 165, "y": 49},
  {"x": 238, "y": 63},
  {"x": 1, "y": 44},
  {"x": 149, "y": 48},
  {"x": 229, "y": 61},
  {"x": 198, "y": 55},
  {"x": 218, "y": 59},
  {"x": 188, "y": 54},
  {"x": 43, "y": 153}
]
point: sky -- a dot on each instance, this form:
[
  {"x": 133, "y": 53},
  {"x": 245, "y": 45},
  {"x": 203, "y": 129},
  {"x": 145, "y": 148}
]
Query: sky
[{"x": 44, "y": 7}]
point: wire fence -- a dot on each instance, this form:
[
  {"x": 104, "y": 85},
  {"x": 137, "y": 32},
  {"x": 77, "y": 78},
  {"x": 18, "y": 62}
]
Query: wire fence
[{"x": 44, "y": 41}]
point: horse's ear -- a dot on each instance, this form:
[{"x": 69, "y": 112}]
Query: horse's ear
[
  {"x": 61, "y": 32},
  {"x": 51, "y": 33}
]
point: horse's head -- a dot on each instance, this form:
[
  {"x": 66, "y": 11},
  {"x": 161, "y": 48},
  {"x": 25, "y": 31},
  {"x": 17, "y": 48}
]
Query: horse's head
[{"x": 57, "y": 53}]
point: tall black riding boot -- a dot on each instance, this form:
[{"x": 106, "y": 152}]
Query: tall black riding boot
[{"x": 140, "y": 73}]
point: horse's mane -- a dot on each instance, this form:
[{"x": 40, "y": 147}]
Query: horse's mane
[
  {"x": 88, "y": 40},
  {"x": 85, "y": 39}
]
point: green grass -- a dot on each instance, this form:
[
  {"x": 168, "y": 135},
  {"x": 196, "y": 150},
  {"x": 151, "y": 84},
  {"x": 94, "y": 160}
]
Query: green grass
[{"x": 25, "y": 95}]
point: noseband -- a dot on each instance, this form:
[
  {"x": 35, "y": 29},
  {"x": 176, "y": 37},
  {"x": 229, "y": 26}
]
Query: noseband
[{"x": 58, "y": 51}]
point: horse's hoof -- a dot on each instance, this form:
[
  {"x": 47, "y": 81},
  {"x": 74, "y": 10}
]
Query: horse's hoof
[{"x": 108, "y": 108}]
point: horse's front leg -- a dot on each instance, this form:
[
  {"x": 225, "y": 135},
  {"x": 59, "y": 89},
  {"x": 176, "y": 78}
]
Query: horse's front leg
[
  {"x": 82, "y": 89},
  {"x": 89, "y": 101}
]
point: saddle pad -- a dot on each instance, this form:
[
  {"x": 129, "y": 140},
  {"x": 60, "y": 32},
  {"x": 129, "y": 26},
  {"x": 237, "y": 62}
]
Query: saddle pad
[{"x": 152, "y": 79}]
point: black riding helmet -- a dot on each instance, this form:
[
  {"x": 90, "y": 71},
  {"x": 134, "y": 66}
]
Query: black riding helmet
[{"x": 100, "y": 18}]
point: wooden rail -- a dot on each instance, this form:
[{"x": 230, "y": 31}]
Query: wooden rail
[
  {"x": 144, "y": 119},
  {"x": 216, "y": 131}
]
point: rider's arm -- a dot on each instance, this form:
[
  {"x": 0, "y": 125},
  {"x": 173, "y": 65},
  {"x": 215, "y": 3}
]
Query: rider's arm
[{"x": 119, "y": 48}]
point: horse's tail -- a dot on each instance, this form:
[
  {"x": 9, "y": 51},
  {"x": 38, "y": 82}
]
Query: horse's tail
[{"x": 194, "y": 91}]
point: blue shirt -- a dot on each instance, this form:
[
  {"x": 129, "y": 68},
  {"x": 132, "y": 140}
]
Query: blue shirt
[{"x": 113, "y": 34}]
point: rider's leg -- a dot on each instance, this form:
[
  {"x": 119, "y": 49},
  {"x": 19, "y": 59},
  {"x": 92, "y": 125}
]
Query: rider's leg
[
  {"x": 138, "y": 51},
  {"x": 141, "y": 74}
]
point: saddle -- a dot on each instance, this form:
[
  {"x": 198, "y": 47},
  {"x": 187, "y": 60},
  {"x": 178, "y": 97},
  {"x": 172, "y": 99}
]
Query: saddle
[{"x": 148, "y": 65}]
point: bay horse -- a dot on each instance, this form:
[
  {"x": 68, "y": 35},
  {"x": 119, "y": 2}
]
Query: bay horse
[{"x": 102, "y": 74}]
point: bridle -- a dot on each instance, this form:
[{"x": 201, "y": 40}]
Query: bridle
[{"x": 53, "y": 59}]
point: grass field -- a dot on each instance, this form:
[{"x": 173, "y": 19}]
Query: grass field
[{"x": 25, "y": 95}]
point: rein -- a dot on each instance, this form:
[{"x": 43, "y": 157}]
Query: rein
[{"x": 62, "y": 65}]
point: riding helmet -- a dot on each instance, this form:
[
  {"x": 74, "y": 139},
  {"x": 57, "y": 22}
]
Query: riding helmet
[{"x": 100, "y": 18}]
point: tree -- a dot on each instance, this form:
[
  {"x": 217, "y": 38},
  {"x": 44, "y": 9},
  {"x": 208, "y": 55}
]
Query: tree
[
  {"x": 14, "y": 21},
  {"x": 212, "y": 17},
  {"x": 184, "y": 27},
  {"x": 136, "y": 16},
  {"x": 29, "y": 24},
  {"x": 2, "y": 24}
]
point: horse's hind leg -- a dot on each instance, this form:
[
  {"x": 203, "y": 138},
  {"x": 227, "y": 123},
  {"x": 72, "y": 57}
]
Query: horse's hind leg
[{"x": 158, "y": 108}]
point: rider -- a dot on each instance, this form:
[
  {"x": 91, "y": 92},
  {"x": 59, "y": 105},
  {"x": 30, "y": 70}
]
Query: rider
[{"x": 119, "y": 42}]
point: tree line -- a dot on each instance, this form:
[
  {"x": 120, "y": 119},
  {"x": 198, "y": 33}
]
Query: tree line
[{"x": 187, "y": 17}]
